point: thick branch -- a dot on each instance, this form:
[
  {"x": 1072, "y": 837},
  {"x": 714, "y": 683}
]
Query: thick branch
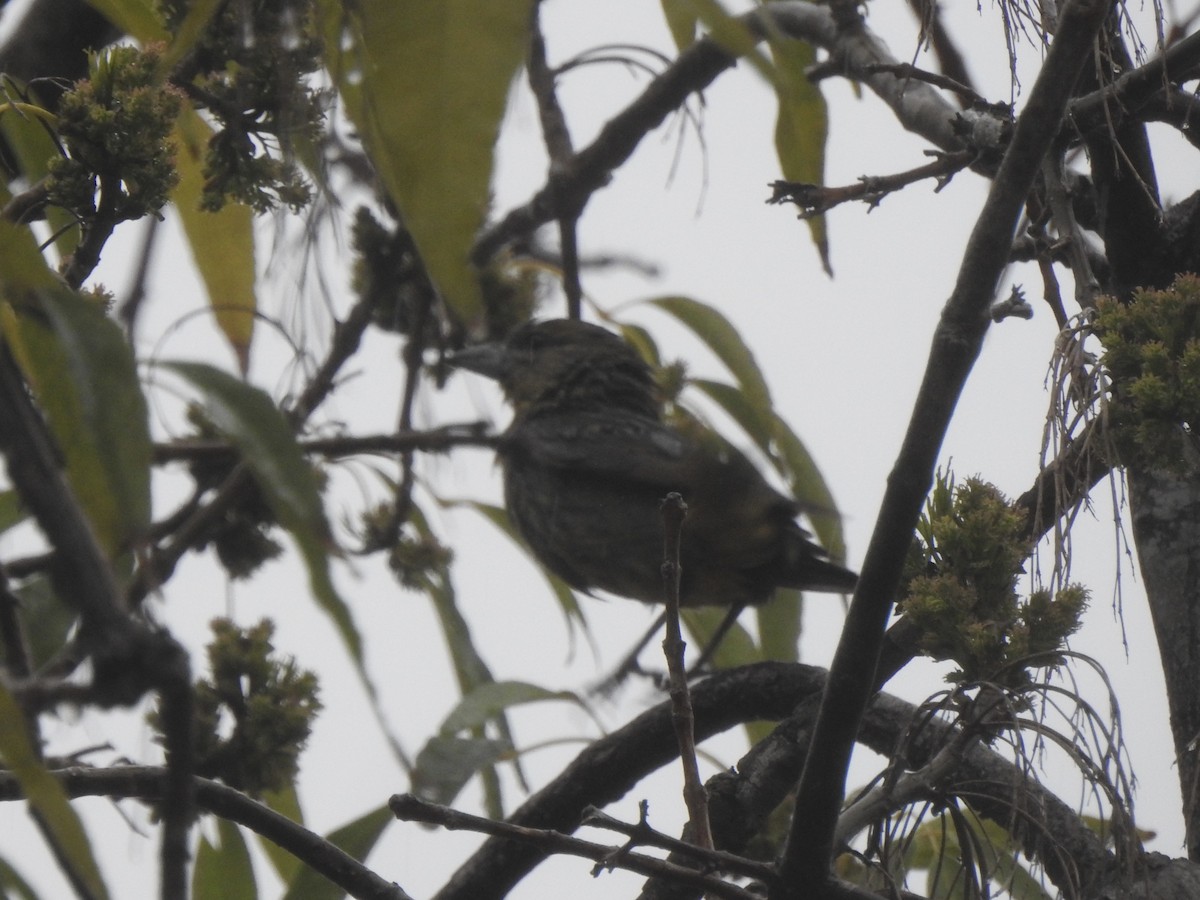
[
  {"x": 613, "y": 765},
  {"x": 148, "y": 783},
  {"x": 956, "y": 345}
]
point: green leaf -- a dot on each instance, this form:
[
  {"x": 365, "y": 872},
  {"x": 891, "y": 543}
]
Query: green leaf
[
  {"x": 809, "y": 488},
  {"x": 567, "y": 601},
  {"x": 426, "y": 83},
  {"x": 718, "y": 333},
  {"x": 758, "y": 423},
  {"x": 12, "y": 512},
  {"x": 801, "y": 125},
  {"x": 779, "y": 625},
  {"x": 13, "y": 885},
  {"x": 84, "y": 376},
  {"x": 732, "y": 34},
  {"x": 779, "y": 444},
  {"x": 222, "y": 243},
  {"x": 737, "y": 647},
  {"x": 286, "y": 802},
  {"x": 446, "y": 764},
  {"x": 357, "y": 839},
  {"x": 486, "y": 702},
  {"x": 253, "y": 423},
  {"x": 470, "y": 669},
  {"x": 47, "y": 798},
  {"x": 47, "y": 619},
  {"x": 27, "y": 131},
  {"x": 190, "y": 30},
  {"x": 224, "y": 871},
  {"x": 681, "y": 20},
  {"x": 136, "y": 18}
]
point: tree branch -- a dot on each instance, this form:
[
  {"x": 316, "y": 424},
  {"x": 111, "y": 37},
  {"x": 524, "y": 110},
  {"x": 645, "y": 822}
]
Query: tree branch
[
  {"x": 613, "y": 765},
  {"x": 413, "y": 809},
  {"x": 148, "y": 783},
  {"x": 956, "y": 345},
  {"x": 918, "y": 107}
]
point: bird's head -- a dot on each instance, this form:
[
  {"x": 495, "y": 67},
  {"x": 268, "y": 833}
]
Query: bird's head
[{"x": 565, "y": 364}]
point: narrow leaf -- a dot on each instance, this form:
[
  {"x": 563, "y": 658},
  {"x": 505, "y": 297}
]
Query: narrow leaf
[
  {"x": 252, "y": 421},
  {"x": 567, "y": 601},
  {"x": 46, "y": 796},
  {"x": 718, "y": 333},
  {"x": 11, "y": 511},
  {"x": 426, "y": 84},
  {"x": 801, "y": 126},
  {"x": 13, "y": 885},
  {"x": 224, "y": 871},
  {"x": 809, "y": 488},
  {"x": 779, "y": 625},
  {"x": 222, "y": 243},
  {"x": 199, "y": 14},
  {"x": 446, "y": 764},
  {"x": 487, "y": 701},
  {"x": 136, "y": 18},
  {"x": 285, "y": 802},
  {"x": 84, "y": 376},
  {"x": 47, "y": 619},
  {"x": 357, "y": 839},
  {"x": 27, "y": 132},
  {"x": 681, "y": 20}
]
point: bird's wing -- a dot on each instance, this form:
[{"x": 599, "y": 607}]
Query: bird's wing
[{"x": 633, "y": 448}]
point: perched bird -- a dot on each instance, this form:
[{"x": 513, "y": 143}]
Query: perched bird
[{"x": 588, "y": 458}]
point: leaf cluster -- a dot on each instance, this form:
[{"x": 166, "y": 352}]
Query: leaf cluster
[
  {"x": 269, "y": 702},
  {"x": 115, "y": 127},
  {"x": 1152, "y": 355},
  {"x": 961, "y": 588},
  {"x": 250, "y": 68}
]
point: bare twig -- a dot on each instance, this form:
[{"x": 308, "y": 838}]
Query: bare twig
[
  {"x": 815, "y": 199},
  {"x": 642, "y": 833},
  {"x": 673, "y": 510},
  {"x": 148, "y": 783},
  {"x": 558, "y": 145},
  {"x": 414, "y": 809},
  {"x": 945, "y": 82},
  {"x": 436, "y": 440}
]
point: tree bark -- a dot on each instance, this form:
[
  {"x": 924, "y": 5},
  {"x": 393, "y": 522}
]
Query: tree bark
[{"x": 1166, "y": 531}]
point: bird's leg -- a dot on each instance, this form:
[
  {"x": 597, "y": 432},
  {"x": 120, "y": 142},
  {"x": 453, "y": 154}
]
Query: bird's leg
[
  {"x": 629, "y": 665},
  {"x": 710, "y": 649}
]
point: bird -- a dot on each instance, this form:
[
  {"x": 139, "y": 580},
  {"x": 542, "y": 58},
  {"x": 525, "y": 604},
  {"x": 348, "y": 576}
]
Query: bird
[{"x": 588, "y": 457}]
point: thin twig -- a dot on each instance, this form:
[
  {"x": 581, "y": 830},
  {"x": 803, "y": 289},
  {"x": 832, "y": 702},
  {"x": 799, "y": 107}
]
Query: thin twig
[
  {"x": 413, "y": 809},
  {"x": 815, "y": 199},
  {"x": 446, "y": 437},
  {"x": 805, "y": 867},
  {"x": 559, "y": 147},
  {"x": 642, "y": 833},
  {"x": 673, "y": 510}
]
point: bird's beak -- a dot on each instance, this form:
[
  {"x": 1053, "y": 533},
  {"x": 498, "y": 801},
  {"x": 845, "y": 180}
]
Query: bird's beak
[{"x": 484, "y": 359}]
